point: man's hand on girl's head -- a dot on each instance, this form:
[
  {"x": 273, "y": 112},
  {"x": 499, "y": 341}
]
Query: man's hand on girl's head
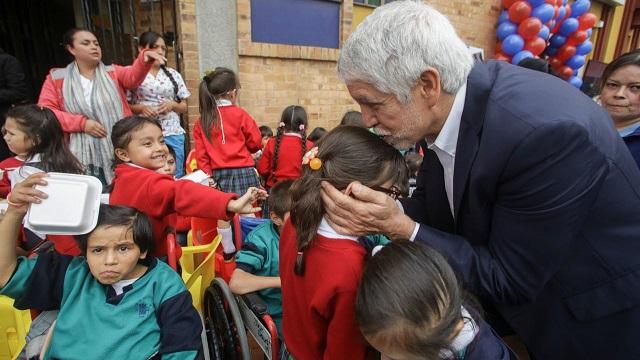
[{"x": 364, "y": 211}]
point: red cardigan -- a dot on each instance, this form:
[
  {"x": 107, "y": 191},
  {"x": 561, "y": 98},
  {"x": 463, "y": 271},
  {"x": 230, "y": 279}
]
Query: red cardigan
[
  {"x": 7, "y": 165},
  {"x": 319, "y": 307},
  {"x": 289, "y": 159},
  {"x": 159, "y": 195},
  {"x": 125, "y": 77},
  {"x": 241, "y": 139}
]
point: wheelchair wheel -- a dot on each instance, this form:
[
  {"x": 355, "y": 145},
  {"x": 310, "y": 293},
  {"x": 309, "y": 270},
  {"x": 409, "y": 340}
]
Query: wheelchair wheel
[
  {"x": 234, "y": 318},
  {"x": 219, "y": 332}
]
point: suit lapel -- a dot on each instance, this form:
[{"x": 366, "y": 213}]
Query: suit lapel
[{"x": 478, "y": 89}]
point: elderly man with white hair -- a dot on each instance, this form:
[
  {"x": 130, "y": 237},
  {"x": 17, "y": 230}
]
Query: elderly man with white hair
[{"x": 525, "y": 188}]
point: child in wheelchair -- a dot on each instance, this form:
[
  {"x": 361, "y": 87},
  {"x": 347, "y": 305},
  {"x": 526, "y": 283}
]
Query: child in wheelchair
[
  {"x": 257, "y": 263},
  {"x": 116, "y": 301}
]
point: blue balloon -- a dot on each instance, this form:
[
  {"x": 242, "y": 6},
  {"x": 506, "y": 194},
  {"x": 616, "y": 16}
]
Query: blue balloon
[
  {"x": 535, "y": 3},
  {"x": 557, "y": 40},
  {"x": 504, "y": 16},
  {"x": 512, "y": 44},
  {"x": 565, "y": 2},
  {"x": 552, "y": 24},
  {"x": 569, "y": 26},
  {"x": 544, "y": 33},
  {"x": 562, "y": 11},
  {"x": 551, "y": 51},
  {"x": 589, "y": 32},
  {"x": 580, "y": 7},
  {"x": 575, "y": 81},
  {"x": 505, "y": 29},
  {"x": 543, "y": 12},
  {"x": 515, "y": 60},
  {"x": 584, "y": 48},
  {"x": 576, "y": 62}
]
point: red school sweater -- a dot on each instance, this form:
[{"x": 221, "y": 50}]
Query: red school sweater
[
  {"x": 7, "y": 165},
  {"x": 241, "y": 139},
  {"x": 159, "y": 195},
  {"x": 289, "y": 164},
  {"x": 319, "y": 307}
]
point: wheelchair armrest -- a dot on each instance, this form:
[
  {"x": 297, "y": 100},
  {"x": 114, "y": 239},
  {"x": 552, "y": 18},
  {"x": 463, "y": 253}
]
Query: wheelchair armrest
[{"x": 255, "y": 303}]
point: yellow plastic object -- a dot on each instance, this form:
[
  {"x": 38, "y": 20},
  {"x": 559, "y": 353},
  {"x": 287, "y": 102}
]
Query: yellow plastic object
[
  {"x": 197, "y": 275},
  {"x": 14, "y": 325}
]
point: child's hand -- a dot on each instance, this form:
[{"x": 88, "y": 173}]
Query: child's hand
[
  {"x": 24, "y": 193},
  {"x": 244, "y": 205}
]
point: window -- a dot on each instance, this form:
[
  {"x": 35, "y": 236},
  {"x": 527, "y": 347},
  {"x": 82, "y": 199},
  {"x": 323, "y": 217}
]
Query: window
[{"x": 296, "y": 22}]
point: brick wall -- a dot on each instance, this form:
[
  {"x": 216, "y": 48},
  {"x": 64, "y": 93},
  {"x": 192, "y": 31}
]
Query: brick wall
[{"x": 274, "y": 76}]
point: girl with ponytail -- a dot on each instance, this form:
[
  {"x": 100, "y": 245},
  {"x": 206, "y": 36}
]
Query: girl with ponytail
[
  {"x": 282, "y": 155},
  {"x": 162, "y": 96},
  {"x": 320, "y": 268},
  {"x": 225, "y": 137}
]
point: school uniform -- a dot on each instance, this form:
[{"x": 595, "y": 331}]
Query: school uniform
[
  {"x": 319, "y": 307},
  {"x": 152, "y": 318},
  {"x": 159, "y": 195},
  {"x": 7, "y": 165},
  {"x": 290, "y": 155},
  {"x": 260, "y": 256}
]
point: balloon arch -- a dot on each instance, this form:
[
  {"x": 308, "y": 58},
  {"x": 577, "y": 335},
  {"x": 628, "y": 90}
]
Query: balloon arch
[{"x": 551, "y": 29}]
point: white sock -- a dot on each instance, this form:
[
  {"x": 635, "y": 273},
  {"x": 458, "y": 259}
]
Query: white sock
[{"x": 228, "y": 245}]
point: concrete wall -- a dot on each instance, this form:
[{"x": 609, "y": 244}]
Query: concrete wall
[{"x": 217, "y": 34}]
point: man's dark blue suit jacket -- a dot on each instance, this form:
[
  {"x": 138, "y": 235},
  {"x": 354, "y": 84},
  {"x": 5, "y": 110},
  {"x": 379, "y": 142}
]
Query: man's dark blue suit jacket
[{"x": 547, "y": 214}]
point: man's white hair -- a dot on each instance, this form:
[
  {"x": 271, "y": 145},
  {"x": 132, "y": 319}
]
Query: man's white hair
[{"x": 399, "y": 41}]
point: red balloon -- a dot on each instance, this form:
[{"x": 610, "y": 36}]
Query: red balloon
[
  {"x": 507, "y": 3},
  {"x": 556, "y": 9},
  {"x": 503, "y": 57},
  {"x": 565, "y": 72},
  {"x": 551, "y": 2},
  {"x": 581, "y": 36},
  {"x": 567, "y": 13},
  {"x": 558, "y": 2},
  {"x": 565, "y": 52},
  {"x": 530, "y": 28},
  {"x": 536, "y": 46},
  {"x": 587, "y": 21},
  {"x": 554, "y": 63},
  {"x": 519, "y": 11}
]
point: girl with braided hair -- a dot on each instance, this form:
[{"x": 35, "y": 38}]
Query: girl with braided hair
[
  {"x": 282, "y": 156},
  {"x": 225, "y": 137},
  {"x": 161, "y": 97}
]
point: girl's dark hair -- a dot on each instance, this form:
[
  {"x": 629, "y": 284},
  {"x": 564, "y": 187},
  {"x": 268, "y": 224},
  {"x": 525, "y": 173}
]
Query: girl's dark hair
[
  {"x": 630, "y": 58},
  {"x": 148, "y": 39},
  {"x": 123, "y": 129},
  {"x": 42, "y": 127},
  {"x": 418, "y": 316},
  {"x": 293, "y": 119},
  {"x": 317, "y": 134},
  {"x": 213, "y": 86},
  {"x": 135, "y": 221},
  {"x": 353, "y": 118},
  {"x": 348, "y": 154}
]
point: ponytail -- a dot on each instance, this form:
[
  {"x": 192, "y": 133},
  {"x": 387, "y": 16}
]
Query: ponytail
[
  {"x": 208, "y": 109},
  {"x": 279, "y": 134},
  {"x": 306, "y": 213}
]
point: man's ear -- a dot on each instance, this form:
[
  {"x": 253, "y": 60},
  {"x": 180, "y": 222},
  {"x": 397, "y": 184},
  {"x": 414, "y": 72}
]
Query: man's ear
[
  {"x": 277, "y": 221},
  {"x": 122, "y": 155},
  {"x": 143, "y": 255},
  {"x": 429, "y": 86}
]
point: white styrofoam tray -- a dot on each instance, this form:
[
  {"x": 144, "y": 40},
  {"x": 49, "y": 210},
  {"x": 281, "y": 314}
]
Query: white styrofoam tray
[{"x": 71, "y": 207}]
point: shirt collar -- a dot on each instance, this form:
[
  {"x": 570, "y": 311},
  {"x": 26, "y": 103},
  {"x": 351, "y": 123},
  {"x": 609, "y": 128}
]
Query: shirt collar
[
  {"x": 447, "y": 139},
  {"x": 224, "y": 102},
  {"x": 628, "y": 130},
  {"x": 327, "y": 231}
]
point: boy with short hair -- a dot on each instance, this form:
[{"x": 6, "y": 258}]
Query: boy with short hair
[{"x": 257, "y": 263}]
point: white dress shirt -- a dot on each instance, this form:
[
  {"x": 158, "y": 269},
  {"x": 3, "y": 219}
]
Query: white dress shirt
[{"x": 445, "y": 147}]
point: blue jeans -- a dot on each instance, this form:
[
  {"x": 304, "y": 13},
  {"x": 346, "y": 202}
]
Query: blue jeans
[{"x": 177, "y": 144}]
